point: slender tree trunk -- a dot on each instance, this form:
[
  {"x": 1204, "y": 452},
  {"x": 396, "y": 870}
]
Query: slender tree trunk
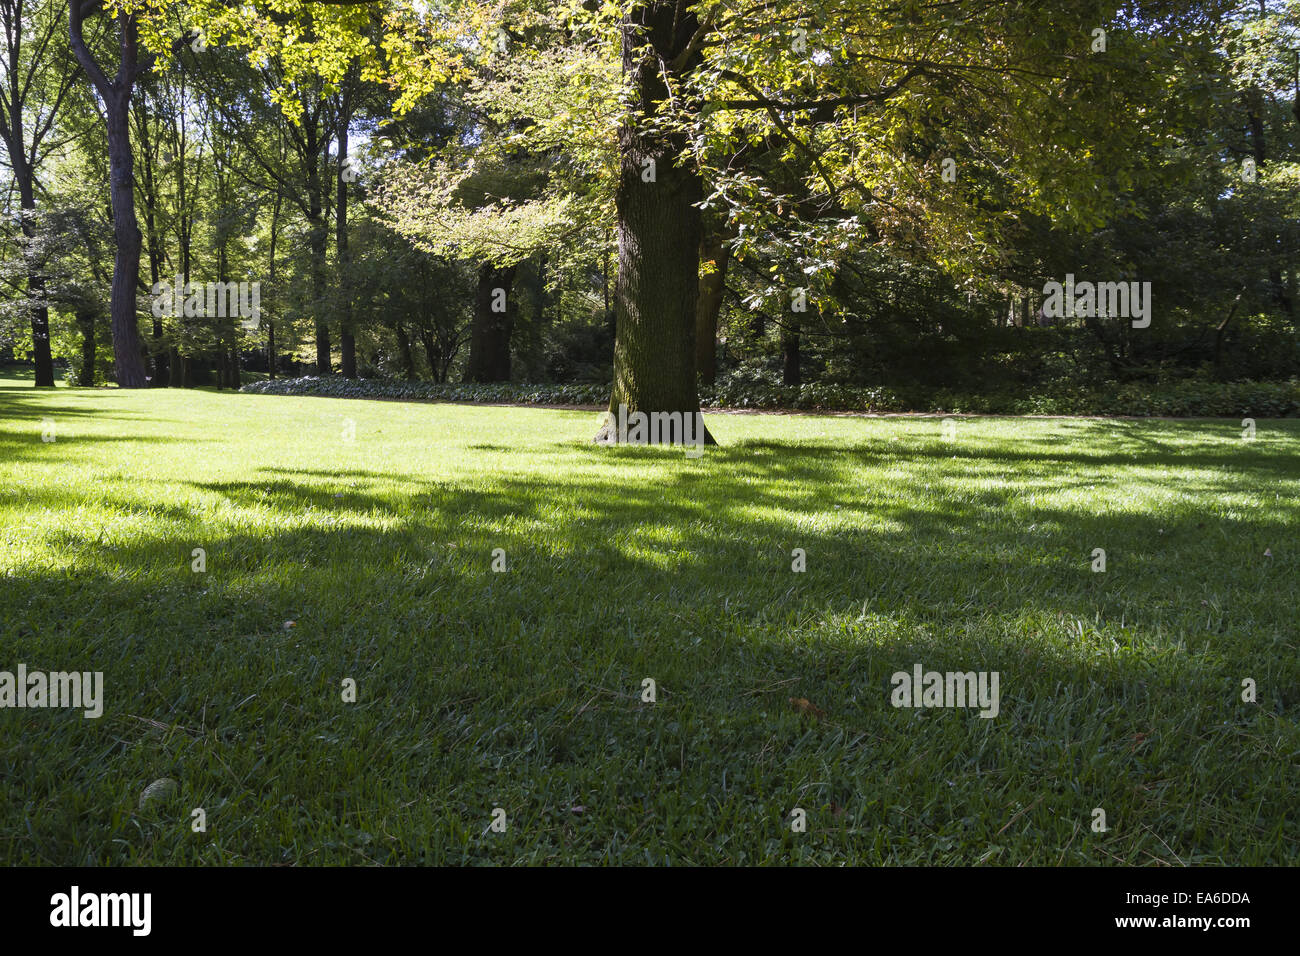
[
  {"x": 790, "y": 371},
  {"x": 319, "y": 239},
  {"x": 658, "y": 224},
  {"x": 86, "y": 324},
  {"x": 1260, "y": 149},
  {"x": 433, "y": 357},
  {"x": 128, "y": 361},
  {"x": 489, "y": 346},
  {"x": 270, "y": 281},
  {"x": 149, "y": 192},
  {"x": 324, "y": 363},
  {"x": 270, "y": 348},
  {"x": 715, "y": 254},
  {"x": 24, "y": 176},
  {"x": 404, "y": 351},
  {"x": 347, "y": 339},
  {"x": 42, "y": 358}
]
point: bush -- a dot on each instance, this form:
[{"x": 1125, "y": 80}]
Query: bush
[
  {"x": 511, "y": 393},
  {"x": 1189, "y": 398}
]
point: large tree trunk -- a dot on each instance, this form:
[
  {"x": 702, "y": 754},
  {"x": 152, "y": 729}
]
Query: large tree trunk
[
  {"x": 116, "y": 95},
  {"x": 128, "y": 361},
  {"x": 658, "y": 225},
  {"x": 489, "y": 345},
  {"x": 715, "y": 254}
]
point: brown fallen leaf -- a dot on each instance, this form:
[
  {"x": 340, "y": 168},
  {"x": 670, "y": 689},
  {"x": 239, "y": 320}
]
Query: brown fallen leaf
[{"x": 805, "y": 706}]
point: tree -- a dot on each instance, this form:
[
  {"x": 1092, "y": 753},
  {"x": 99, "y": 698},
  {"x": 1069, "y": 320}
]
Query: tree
[
  {"x": 37, "y": 79},
  {"x": 115, "y": 95}
]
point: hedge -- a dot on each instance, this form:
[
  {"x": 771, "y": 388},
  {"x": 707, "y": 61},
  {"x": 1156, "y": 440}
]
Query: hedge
[{"x": 1193, "y": 398}]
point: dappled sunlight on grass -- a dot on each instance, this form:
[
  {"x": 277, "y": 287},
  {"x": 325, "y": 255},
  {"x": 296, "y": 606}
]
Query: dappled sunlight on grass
[{"x": 371, "y": 525}]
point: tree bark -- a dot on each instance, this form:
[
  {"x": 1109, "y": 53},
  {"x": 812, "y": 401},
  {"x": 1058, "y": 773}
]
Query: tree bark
[
  {"x": 42, "y": 358},
  {"x": 790, "y": 371},
  {"x": 404, "y": 351},
  {"x": 347, "y": 340},
  {"x": 319, "y": 239},
  {"x": 153, "y": 244},
  {"x": 86, "y": 324},
  {"x": 658, "y": 223},
  {"x": 270, "y": 281},
  {"x": 489, "y": 345},
  {"x": 128, "y": 362},
  {"x": 715, "y": 254},
  {"x": 14, "y": 112},
  {"x": 1260, "y": 149}
]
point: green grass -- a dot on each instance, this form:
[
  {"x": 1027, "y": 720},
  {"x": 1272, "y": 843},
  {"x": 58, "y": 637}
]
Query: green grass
[{"x": 522, "y": 690}]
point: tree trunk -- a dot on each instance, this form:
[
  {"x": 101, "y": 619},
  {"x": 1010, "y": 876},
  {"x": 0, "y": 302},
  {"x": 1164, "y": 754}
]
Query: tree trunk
[
  {"x": 41, "y": 355},
  {"x": 1260, "y": 149},
  {"x": 347, "y": 352},
  {"x": 489, "y": 345},
  {"x": 149, "y": 194},
  {"x": 404, "y": 351},
  {"x": 270, "y": 348},
  {"x": 319, "y": 238},
  {"x": 347, "y": 340},
  {"x": 24, "y": 176},
  {"x": 271, "y": 288},
  {"x": 431, "y": 355},
  {"x": 128, "y": 361},
  {"x": 790, "y": 372},
  {"x": 658, "y": 225},
  {"x": 715, "y": 254},
  {"x": 86, "y": 324}
]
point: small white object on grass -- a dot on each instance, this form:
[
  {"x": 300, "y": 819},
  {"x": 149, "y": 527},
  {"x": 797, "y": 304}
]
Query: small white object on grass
[{"x": 160, "y": 791}]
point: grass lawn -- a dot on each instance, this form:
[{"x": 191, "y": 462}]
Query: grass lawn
[{"x": 522, "y": 690}]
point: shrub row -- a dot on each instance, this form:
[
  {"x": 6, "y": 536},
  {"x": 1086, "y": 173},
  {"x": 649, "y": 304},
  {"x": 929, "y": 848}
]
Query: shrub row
[
  {"x": 511, "y": 393},
  {"x": 1189, "y": 398}
]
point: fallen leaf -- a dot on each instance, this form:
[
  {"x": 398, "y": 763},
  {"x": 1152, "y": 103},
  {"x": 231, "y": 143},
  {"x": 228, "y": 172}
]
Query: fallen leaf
[{"x": 804, "y": 706}]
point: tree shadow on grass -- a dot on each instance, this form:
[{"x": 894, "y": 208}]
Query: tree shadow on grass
[{"x": 523, "y": 688}]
